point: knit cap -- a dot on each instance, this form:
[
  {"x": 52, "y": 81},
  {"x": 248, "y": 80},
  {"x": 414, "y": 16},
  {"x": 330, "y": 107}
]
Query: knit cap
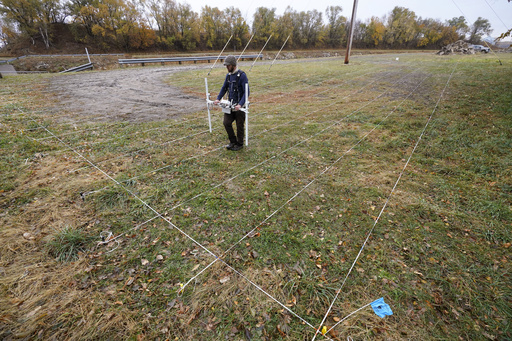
[{"x": 230, "y": 60}]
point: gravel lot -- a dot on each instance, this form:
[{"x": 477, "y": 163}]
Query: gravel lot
[{"x": 130, "y": 94}]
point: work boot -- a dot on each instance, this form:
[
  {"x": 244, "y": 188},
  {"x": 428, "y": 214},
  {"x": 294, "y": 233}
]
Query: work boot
[
  {"x": 237, "y": 147},
  {"x": 230, "y": 146}
]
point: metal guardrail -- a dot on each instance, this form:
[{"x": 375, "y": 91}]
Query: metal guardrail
[
  {"x": 11, "y": 60},
  {"x": 58, "y": 55},
  {"x": 182, "y": 59},
  {"x": 79, "y": 68},
  {"x": 21, "y": 72}
]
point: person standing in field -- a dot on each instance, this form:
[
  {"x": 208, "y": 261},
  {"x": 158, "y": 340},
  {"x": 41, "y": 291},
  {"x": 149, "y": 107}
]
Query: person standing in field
[{"x": 234, "y": 86}]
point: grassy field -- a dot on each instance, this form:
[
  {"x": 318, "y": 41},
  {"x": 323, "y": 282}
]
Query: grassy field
[{"x": 382, "y": 178}]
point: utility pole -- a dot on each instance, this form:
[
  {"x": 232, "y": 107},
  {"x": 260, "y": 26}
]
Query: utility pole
[{"x": 352, "y": 23}]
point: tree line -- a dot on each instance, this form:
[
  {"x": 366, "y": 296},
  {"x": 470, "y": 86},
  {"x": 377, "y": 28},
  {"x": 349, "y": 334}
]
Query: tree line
[{"x": 131, "y": 25}]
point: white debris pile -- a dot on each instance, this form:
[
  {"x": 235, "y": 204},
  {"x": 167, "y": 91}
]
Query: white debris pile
[{"x": 459, "y": 46}]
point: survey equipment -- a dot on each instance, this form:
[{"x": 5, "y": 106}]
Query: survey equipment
[{"x": 227, "y": 107}]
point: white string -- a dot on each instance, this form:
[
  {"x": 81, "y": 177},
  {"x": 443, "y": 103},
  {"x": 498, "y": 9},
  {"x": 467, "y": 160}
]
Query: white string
[
  {"x": 168, "y": 142},
  {"x": 221, "y": 147},
  {"x": 387, "y": 201},
  {"x": 312, "y": 181},
  {"x": 346, "y": 317},
  {"x": 496, "y": 14},
  {"x": 182, "y": 203},
  {"x": 128, "y": 191},
  {"x": 159, "y": 215},
  {"x": 174, "y": 226}
]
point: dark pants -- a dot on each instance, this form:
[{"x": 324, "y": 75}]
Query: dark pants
[{"x": 239, "y": 116}]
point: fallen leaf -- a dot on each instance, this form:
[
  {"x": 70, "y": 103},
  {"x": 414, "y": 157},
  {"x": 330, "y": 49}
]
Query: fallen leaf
[
  {"x": 253, "y": 234},
  {"x": 489, "y": 336},
  {"x": 333, "y": 334},
  {"x": 248, "y": 334},
  {"x": 130, "y": 281},
  {"x": 283, "y": 329}
]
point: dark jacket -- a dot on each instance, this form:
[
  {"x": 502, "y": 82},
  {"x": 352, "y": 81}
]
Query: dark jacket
[{"x": 234, "y": 85}]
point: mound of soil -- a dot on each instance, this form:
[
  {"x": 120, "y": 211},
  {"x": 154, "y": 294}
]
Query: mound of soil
[{"x": 459, "y": 47}]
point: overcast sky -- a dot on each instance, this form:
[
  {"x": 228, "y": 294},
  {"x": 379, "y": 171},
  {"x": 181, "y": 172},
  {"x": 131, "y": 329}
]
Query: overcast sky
[{"x": 435, "y": 9}]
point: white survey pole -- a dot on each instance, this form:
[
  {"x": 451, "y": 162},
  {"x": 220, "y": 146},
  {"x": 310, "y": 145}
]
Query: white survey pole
[
  {"x": 246, "y": 114},
  {"x": 282, "y": 47},
  {"x": 220, "y": 54},
  {"x": 240, "y": 56},
  {"x": 255, "y": 59},
  {"x": 88, "y": 55},
  {"x": 208, "y": 103}
]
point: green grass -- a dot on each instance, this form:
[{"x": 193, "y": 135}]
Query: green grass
[
  {"x": 440, "y": 253},
  {"x": 66, "y": 244}
]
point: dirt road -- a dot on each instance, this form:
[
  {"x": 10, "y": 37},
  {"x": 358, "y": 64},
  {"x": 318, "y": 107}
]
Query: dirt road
[{"x": 131, "y": 94}]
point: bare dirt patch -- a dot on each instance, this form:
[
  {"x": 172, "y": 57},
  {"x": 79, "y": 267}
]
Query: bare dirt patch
[{"x": 131, "y": 94}]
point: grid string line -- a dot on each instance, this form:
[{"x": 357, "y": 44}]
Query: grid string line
[
  {"x": 258, "y": 134},
  {"x": 388, "y": 199},
  {"x": 303, "y": 189},
  {"x": 180, "y": 230},
  {"x": 168, "y": 142}
]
